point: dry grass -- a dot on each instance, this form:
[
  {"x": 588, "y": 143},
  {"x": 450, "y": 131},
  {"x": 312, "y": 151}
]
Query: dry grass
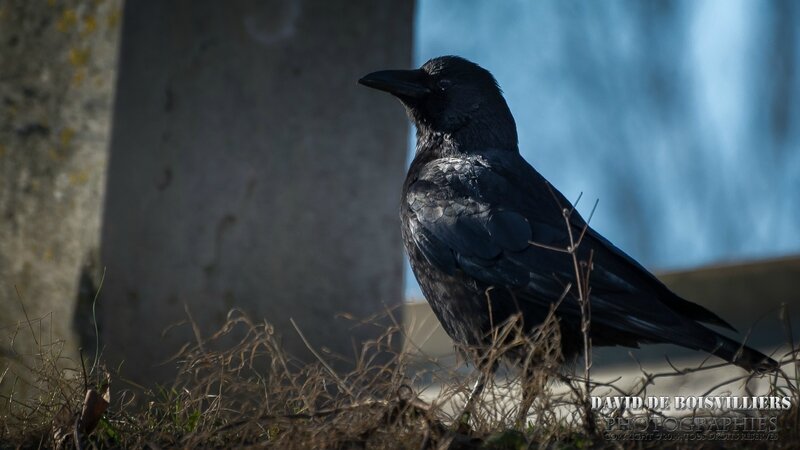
[
  {"x": 239, "y": 388},
  {"x": 251, "y": 393}
]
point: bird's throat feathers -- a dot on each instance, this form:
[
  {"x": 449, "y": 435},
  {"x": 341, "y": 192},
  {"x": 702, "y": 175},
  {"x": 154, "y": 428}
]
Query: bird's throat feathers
[{"x": 474, "y": 136}]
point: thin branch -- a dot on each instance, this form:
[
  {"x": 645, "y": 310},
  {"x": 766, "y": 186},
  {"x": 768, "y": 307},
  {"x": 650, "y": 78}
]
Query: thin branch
[{"x": 330, "y": 370}]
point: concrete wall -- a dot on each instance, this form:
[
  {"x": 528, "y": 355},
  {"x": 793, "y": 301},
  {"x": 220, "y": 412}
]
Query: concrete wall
[
  {"x": 748, "y": 295},
  {"x": 248, "y": 169}
]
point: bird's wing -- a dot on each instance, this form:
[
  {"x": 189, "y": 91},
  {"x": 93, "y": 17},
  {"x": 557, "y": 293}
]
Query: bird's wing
[
  {"x": 472, "y": 215},
  {"x": 494, "y": 219},
  {"x": 613, "y": 264}
]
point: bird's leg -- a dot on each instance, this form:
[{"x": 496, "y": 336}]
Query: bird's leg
[
  {"x": 477, "y": 389},
  {"x": 475, "y": 393}
]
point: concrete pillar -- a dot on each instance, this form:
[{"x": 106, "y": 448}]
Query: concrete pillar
[
  {"x": 248, "y": 169},
  {"x": 57, "y": 71}
]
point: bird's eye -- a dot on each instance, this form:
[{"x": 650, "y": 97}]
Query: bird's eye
[{"x": 443, "y": 84}]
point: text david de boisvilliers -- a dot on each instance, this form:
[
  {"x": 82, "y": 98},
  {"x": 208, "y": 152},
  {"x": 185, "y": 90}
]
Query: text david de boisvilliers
[{"x": 691, "y": 402}]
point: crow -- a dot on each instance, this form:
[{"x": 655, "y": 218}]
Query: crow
[{"x": 488, "y": 237}]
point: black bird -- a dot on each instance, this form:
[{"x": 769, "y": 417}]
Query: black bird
[{"x": 486, "y": 233}]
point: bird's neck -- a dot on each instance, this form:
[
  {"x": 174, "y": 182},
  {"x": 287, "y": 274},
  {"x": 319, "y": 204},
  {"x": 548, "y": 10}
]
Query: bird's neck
[
  {"x": 464, "y": 141},
  {"x": 434, "y": 143},
  {"x": 478, "y": 134}
]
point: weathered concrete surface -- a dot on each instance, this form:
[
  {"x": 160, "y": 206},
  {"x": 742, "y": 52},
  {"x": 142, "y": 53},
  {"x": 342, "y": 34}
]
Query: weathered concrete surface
[
  {"x": 57, "y": 68},
  {"x": 748, "y": 295},
  {"x": 248, "y": 169}
]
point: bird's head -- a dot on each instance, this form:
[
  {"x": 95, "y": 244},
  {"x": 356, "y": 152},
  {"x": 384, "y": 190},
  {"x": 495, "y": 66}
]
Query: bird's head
[{"x": 452, "y": 96}]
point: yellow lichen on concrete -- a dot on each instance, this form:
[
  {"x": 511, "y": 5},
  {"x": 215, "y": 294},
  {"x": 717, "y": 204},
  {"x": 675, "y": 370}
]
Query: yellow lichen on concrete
[
  {"x": 67, "y": 20},
  {"x": 78, "y": 177},
  {"x": 113, "y": 18},
  {"x": 78, "y": 77},
  {"x": 78, "y": 57},
  {"x": 89, "y": 25},
  {"x": 66, "y": 135}
]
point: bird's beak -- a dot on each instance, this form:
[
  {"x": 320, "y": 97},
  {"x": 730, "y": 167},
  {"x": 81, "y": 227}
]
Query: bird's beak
[{"x": 402, "y": 83}]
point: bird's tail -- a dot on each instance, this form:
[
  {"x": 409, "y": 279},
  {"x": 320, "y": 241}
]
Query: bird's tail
[{"x": 744, "y": 356}]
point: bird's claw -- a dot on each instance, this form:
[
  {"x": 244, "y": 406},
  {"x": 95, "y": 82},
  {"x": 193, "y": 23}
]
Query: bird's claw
[{"x": 462, "y": 425}]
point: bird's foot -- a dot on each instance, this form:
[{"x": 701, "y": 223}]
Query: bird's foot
[{"x": 462, "y": 425}]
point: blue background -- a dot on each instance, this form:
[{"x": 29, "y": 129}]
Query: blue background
[{"x": 681, "y": 117}]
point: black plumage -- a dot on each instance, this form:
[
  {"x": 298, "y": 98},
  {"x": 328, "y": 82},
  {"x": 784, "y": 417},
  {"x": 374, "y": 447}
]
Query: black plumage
[{"x": 479, "y": 223}]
